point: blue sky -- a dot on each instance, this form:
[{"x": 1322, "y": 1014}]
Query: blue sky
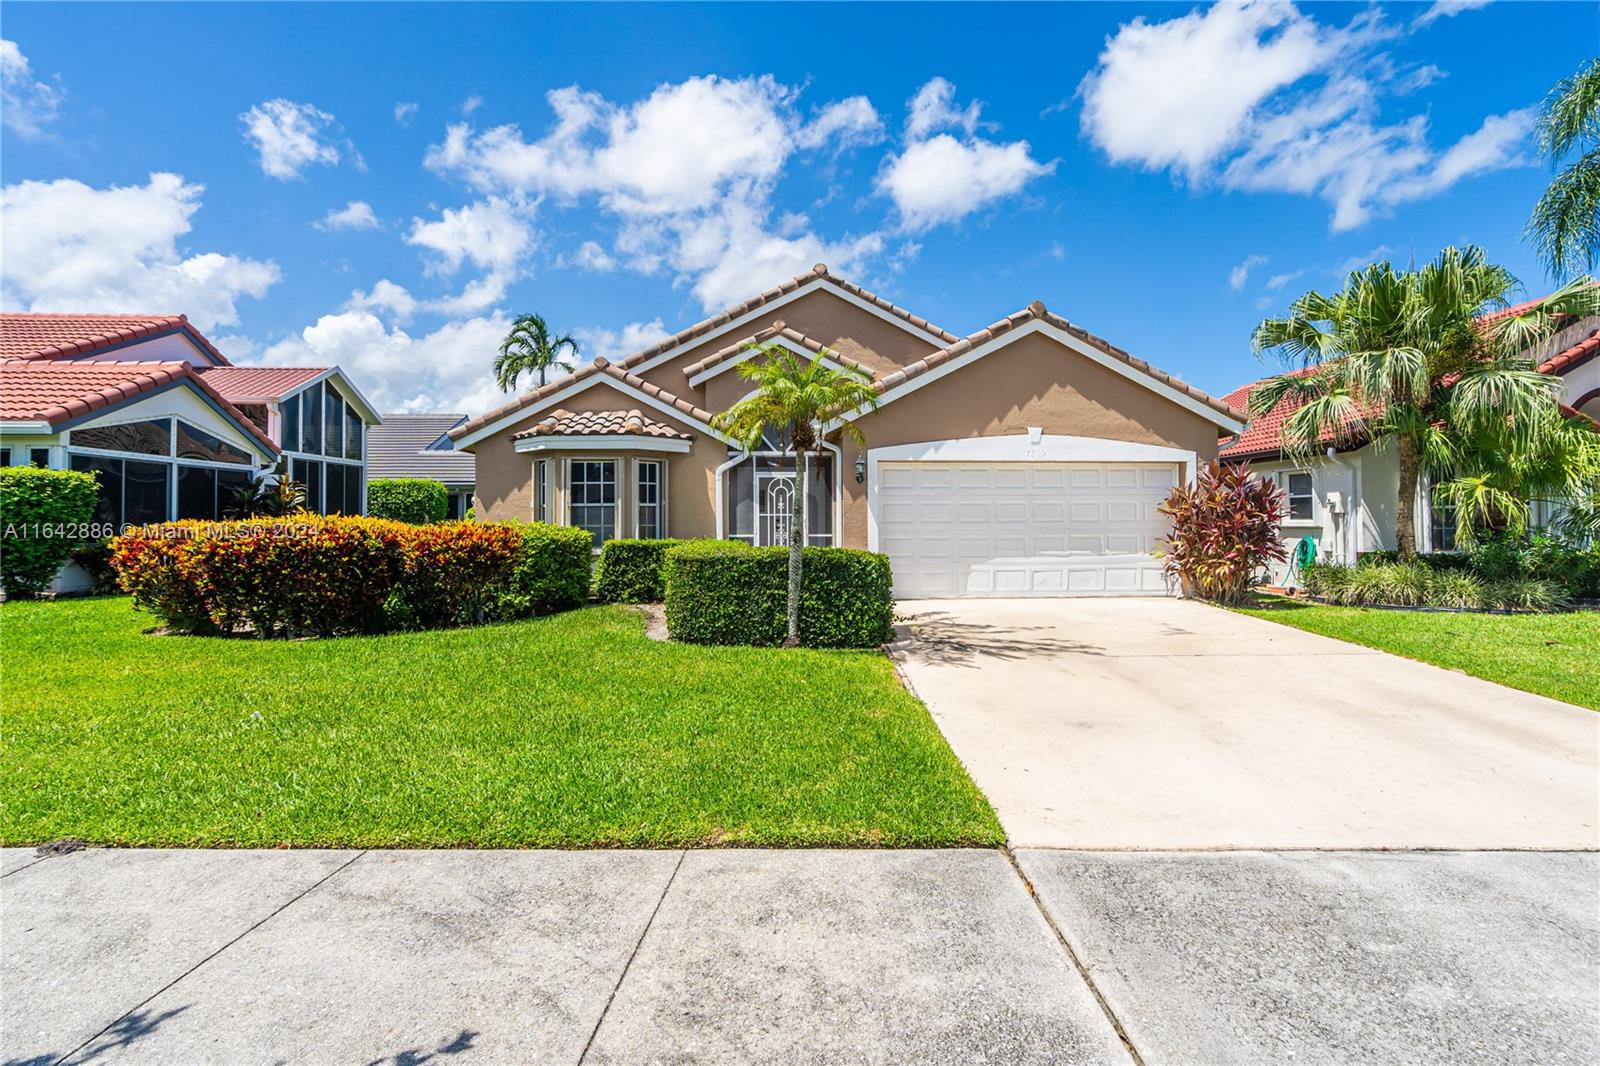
[{"x": 382, "y": 186}]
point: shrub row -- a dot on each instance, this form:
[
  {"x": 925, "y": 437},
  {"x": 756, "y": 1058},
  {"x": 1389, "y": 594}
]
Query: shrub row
[
  {"x": 632, "y": 571},
  {"x": 42, "y": 517},
  {"x": 322, "y": 576},
  {"x": 1496, "y": 559},
  {"x": 1374, "y": 584},
  {"x": 416, "y": 500},
  {"x": 726, "y": 592}
]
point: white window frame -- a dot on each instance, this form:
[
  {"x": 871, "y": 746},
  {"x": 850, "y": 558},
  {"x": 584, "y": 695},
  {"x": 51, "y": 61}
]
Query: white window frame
[
  {"x": 542, "y": 504},
  {"x": 616, "y": 487},
  {"x": 1286, "y": 481},
  {"x": 661, "y": 497}
]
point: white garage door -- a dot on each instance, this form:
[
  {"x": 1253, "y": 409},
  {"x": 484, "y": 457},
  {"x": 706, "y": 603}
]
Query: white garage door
[{"x": 1023, "y": 529}]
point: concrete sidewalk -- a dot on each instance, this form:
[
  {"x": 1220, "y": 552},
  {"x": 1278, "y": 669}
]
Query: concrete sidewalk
[{"x": 796, "y": 956}]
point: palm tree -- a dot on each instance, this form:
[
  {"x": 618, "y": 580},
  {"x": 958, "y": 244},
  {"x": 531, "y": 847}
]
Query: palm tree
[
  {"x": 794, "y": 399},
  {"x": 1566, "y": 221},
  {"x": 1403, "y": 358},
  {"x": 529, "y": 347}
]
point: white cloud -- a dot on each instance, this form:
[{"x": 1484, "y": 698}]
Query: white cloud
[
  {"x": 1241, "y": 273},
  {"x": 357, "y": 214},
  {"x": 597, "y": 341},
  {"x": 688, "y": 173},
  {"x": 72, "y": 247},
  {"x": 27, "y": 105},
  {"x": 941, "y": 178},
  {"x": 845, "y": 123},
  {"x": 1261, "y": 97},
  {"x": 289, "y": 137},
  {"x": 385, "y": 296},
  {"x": 1278, "y": 281},
  {"x": 933, "y": 108},
  {"x": 446, "y": 370},
  {"x": 494, "y": 235},
  {"x": 405, "y": 111},
  {"x": 1443, "y": 9},
  {"x": 471, "y": 104},
  {"x": 591, "y": 256}
]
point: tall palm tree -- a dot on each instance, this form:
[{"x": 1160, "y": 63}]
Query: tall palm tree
[
  {"x": 528, "y": 347},
  {"x": 1566, "y": 221},
  {"x": 1404, "y": 358},
  {"x": 794, "y": 399}
]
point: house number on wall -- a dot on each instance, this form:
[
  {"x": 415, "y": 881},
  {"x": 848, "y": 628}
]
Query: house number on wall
[{"x": 1035, "y": 452}]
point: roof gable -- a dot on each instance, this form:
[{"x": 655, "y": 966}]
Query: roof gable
[{"x": 28, "y": 335}]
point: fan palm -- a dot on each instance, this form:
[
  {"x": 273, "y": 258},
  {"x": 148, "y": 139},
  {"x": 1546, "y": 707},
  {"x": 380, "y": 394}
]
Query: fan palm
[
  {"x": 1402, "y": 358},
  {"x": 795, "y": 398},
  {"x": 1566, "y": 220},
  {"x": 529, "y": 348}
]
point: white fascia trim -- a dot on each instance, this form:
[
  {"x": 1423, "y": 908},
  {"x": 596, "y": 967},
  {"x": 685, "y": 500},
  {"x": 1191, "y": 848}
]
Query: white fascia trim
[
  {"x": 606, "y": 442},
  {"x": 772, "y": 305},
  {"x": 1067, "y": 340},
  {"x": 1017, "y": 448},
  {"x": 29, "y": 427},
  {"x": 577, "y": 388},
  {"x": 781, "y": 342}
]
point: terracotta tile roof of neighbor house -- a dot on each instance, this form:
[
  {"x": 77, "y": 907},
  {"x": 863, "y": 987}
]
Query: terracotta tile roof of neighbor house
[
  {"x": 259, "y": 384},
  {"x": 71, "y": 336},
  {"x": 563, "y": 423},
  {"x": 771, "y": 333},
  {"x": 588, "y": 370},
  {"x": 401, "y": 446},
  {"x": 56, "y": 392},
  {"x": 1037, "y": 310},
  {"x": 729, "y": 314},
  {"x": 1572, "y": 357}
]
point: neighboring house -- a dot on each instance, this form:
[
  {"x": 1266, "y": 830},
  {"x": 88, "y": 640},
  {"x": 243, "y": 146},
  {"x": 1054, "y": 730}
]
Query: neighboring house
[
  {"x": 420, "y": 446},
  {"x": 168, "y": 426},
  {"x": 1344, "y": 501},
  {"x": 1027, "y": 459}
]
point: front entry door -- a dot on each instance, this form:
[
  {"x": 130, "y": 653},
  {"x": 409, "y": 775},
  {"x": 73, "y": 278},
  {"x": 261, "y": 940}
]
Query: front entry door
[{"x": 774, "y": 498}]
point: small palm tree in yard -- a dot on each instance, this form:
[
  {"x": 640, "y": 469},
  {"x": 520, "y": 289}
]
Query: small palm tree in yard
[
  {"x": 1408, "y": 359},
  {"x": 794, "y": 399},
  {"x": 529, "y": 348}
]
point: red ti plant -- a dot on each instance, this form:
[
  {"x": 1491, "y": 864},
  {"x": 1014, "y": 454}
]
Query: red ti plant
[{"x": 1224, "y": 530}]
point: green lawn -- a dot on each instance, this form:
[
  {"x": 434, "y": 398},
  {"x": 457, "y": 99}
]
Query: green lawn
[
  {"x": 1555, "y": 655},
  {"x": 572, "y": 731}
]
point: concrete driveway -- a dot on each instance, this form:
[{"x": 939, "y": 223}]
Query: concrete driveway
[{"x": 1159, "y": 723}]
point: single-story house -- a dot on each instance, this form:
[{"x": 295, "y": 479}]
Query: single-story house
[
  {"x": 1344, "y": 501},
  {"x": 167, "y": 424},
  {"x": 1026, "y": 459},
  {"x": 419, "y": 445}
]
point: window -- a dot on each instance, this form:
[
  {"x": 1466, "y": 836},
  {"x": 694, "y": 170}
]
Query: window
[
  {"x": 131, "y": 491},
  {"x": 39, "y": 457},
  {"x": 1442, "y": 525},
  {"x": 1302, "y": 499},
  {"x": 289, "y": 432},
  {"x": 311, "y": 420},
  {"x": 195, "y": 443},
  {"x": 344, "y": 488},
  {"x": 147, "y": 438},
  {"x": 197, "y": 492},
  {"x": 648, "y": 500},
  {"x": 332, "y": 421},
  {"x": 352, "y": 433},
  {"x": 593, "y": 498},
  {"x": 819, "y": 501},
  {"x": 541, "y": 490},
  {"x": 309, "y": 475},
  {"x": 5, "y": 456}
]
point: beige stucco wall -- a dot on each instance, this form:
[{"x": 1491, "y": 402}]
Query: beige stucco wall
[
  {"x": 504, "y": 488},
  {"x": 1035, "y": 381},
  {"x": 820, "y": 315}
]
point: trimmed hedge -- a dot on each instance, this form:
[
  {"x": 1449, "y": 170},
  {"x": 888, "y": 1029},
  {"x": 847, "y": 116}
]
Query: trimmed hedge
[
  {"x": 310, "y": 575},
  {"x": 416, "y": 500},
  {"x": 632, "y": 571},
  {"x": 551, "y": 572},
  {"x": 44, "y": 514},
  {"x": 726, "y": 592}
]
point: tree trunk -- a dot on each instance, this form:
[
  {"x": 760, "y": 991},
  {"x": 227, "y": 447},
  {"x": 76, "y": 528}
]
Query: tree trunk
[
  {"x": 797, "y": 504},
  {"x": 1405, "y": 525},
  {"x": 541, "y": 377}
]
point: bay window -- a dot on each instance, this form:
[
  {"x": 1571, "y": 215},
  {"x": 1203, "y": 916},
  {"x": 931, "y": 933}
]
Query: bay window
[{"x": 592, "y": 498}]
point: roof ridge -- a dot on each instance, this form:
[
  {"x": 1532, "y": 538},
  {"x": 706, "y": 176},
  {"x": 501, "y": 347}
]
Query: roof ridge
[{"x": 778, "y": 329}]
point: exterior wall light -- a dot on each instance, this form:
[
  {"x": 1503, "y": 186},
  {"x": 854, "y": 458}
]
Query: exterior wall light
[{"x": 861, "y": 469}]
